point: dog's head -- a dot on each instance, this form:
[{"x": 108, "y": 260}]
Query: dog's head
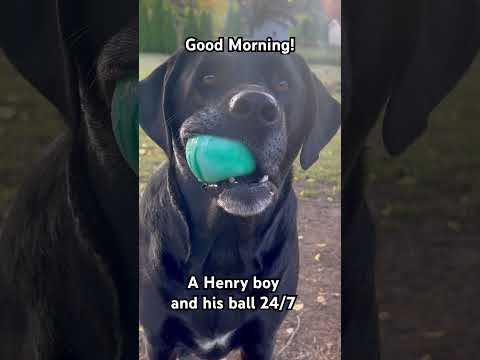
[{"x": 271, "y": 103}]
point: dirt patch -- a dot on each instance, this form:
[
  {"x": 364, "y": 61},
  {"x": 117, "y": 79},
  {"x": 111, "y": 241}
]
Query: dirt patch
[
  {"x": 318, "y": 322},
  {"x": 426, "y": 271},
  {"x": 426, "y": 205}
]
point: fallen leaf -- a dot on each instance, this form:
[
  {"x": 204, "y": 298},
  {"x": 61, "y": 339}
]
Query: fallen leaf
[
  {"x": 298, "y": 306},
  {"x": 383, "y": 316},
  {"x": 407, "y": 180},
  {"x": 317, "y": 257},
  {"x": 387, "y": 210},
  {"x": 432, "y": 335},
  {"x": 7, "y": 112},
  {"x": 321, "y": 299},
  {"x": 455, "y": 226},
  {"x": 426, "y": 357}
]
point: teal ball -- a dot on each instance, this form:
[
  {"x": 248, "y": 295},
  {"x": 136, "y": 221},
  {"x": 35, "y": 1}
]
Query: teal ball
[{"x": 213, "y": 159}]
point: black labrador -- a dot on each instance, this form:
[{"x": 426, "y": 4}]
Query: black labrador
[
  {"x": 401, "y": 57},
  {"x": 68, "y": 249},
  {"x": 233, "y": 229}
]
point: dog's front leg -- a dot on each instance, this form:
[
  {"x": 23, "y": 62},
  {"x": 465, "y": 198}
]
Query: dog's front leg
[{"x": 260, "y": 351}]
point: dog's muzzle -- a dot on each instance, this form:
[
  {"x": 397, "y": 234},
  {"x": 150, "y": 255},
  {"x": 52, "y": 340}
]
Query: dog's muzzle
[{"x": 252, "y": 116}]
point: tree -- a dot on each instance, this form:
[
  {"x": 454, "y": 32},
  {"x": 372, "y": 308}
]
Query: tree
[
  {"x": 209, "y": 5},
  {"x": 191, "y": 25},
  {"x": 157, "y": 26},
  {"x": 144, "y": 36},
  {"x": 233, "y": 24},
  {"x": 332, "y": 9},
  {"x": 307, "y": 31},
  {"x": 205, "y": 26},
  {"x": 160, "y": 33},
  {"x": 170, "y": 34}
]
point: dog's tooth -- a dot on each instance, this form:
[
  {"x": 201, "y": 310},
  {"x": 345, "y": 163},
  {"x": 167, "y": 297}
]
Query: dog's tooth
[{"x": 264, "y": 179}]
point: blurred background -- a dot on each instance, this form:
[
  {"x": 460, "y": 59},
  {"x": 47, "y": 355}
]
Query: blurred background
[
  {"x": 312, "y": 329},
  {"x": 426, "y": 204}
]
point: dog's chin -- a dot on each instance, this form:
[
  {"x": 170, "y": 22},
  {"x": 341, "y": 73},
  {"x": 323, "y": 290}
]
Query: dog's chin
[{"x": 247, "y": 200}]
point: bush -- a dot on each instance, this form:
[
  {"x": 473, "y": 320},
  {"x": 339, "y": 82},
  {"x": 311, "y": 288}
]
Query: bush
[
  {"x": 233, "y": 24},
  {"x": 311, "y": 30},
  {"x": 144, "y": 36},
  {"x": 157, "y": 27},
  {"x": 205, "y": 27},
  {"x": 191, "y": 25},
  {"x": 170, "y": 33}
]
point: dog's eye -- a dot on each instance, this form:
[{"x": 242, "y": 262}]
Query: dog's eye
[
  {"x": 209, "y": 79},
  {"x": 282, "y": 86}
]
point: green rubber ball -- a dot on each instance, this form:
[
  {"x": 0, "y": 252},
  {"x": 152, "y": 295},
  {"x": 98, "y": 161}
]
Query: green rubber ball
[{"x": 212, "y": 159}]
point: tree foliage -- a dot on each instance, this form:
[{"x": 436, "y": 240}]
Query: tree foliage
[
  {"x": 191, "y": 24},
  {"x": 205, "y": 26},
  {"x": 233, "y": 24},
  {"x": 157, "y": 26}
]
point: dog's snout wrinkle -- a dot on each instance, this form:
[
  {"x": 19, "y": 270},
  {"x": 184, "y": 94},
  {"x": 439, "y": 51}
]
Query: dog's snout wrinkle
[{"x": 254, "y": 103}]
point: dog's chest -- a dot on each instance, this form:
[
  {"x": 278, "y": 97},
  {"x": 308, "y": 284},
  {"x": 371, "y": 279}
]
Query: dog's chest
[
  {"x": 221, "y": 342},
  {"x": 226, "y": 254},
  {"x": 224, "y": 257}
]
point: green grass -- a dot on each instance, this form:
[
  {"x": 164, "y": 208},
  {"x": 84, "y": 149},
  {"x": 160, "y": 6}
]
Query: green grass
[
  {"x": 149, "y": 62},
  {"x": 323, "y": 177},
  {"x": 317, "y": 55},
  {"x": 27, "y": 124}
]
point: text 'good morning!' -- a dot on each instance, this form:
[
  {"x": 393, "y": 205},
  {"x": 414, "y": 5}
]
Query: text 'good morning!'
[{"x": 239, "y": 44}]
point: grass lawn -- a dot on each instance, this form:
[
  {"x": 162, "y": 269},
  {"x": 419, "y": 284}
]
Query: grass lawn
[
  {"x": 27, "y": 124},
  {"x": 325, "y": 172}
]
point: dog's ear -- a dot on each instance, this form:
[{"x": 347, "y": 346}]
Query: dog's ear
[
  {"x": 155, "y": 102},
  {"x": 53, "y": 43},
  {"x": 152, "y": 116},
  {"x": 32, "y": 36},
  {"x": 323, "y": 117},
  {"x": 448, "y": 37}
]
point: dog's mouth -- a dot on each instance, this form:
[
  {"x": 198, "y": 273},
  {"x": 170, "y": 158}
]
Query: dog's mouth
[{"x": 244, "y": 196}]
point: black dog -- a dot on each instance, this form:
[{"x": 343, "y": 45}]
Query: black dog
[
  {"x": 400, "y": 56},
  {"x": 235, "y": 229},
  {"x": 68, "y": 250}
]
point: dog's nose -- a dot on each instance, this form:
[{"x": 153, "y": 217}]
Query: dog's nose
[{"x": 256, "y": 104}]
